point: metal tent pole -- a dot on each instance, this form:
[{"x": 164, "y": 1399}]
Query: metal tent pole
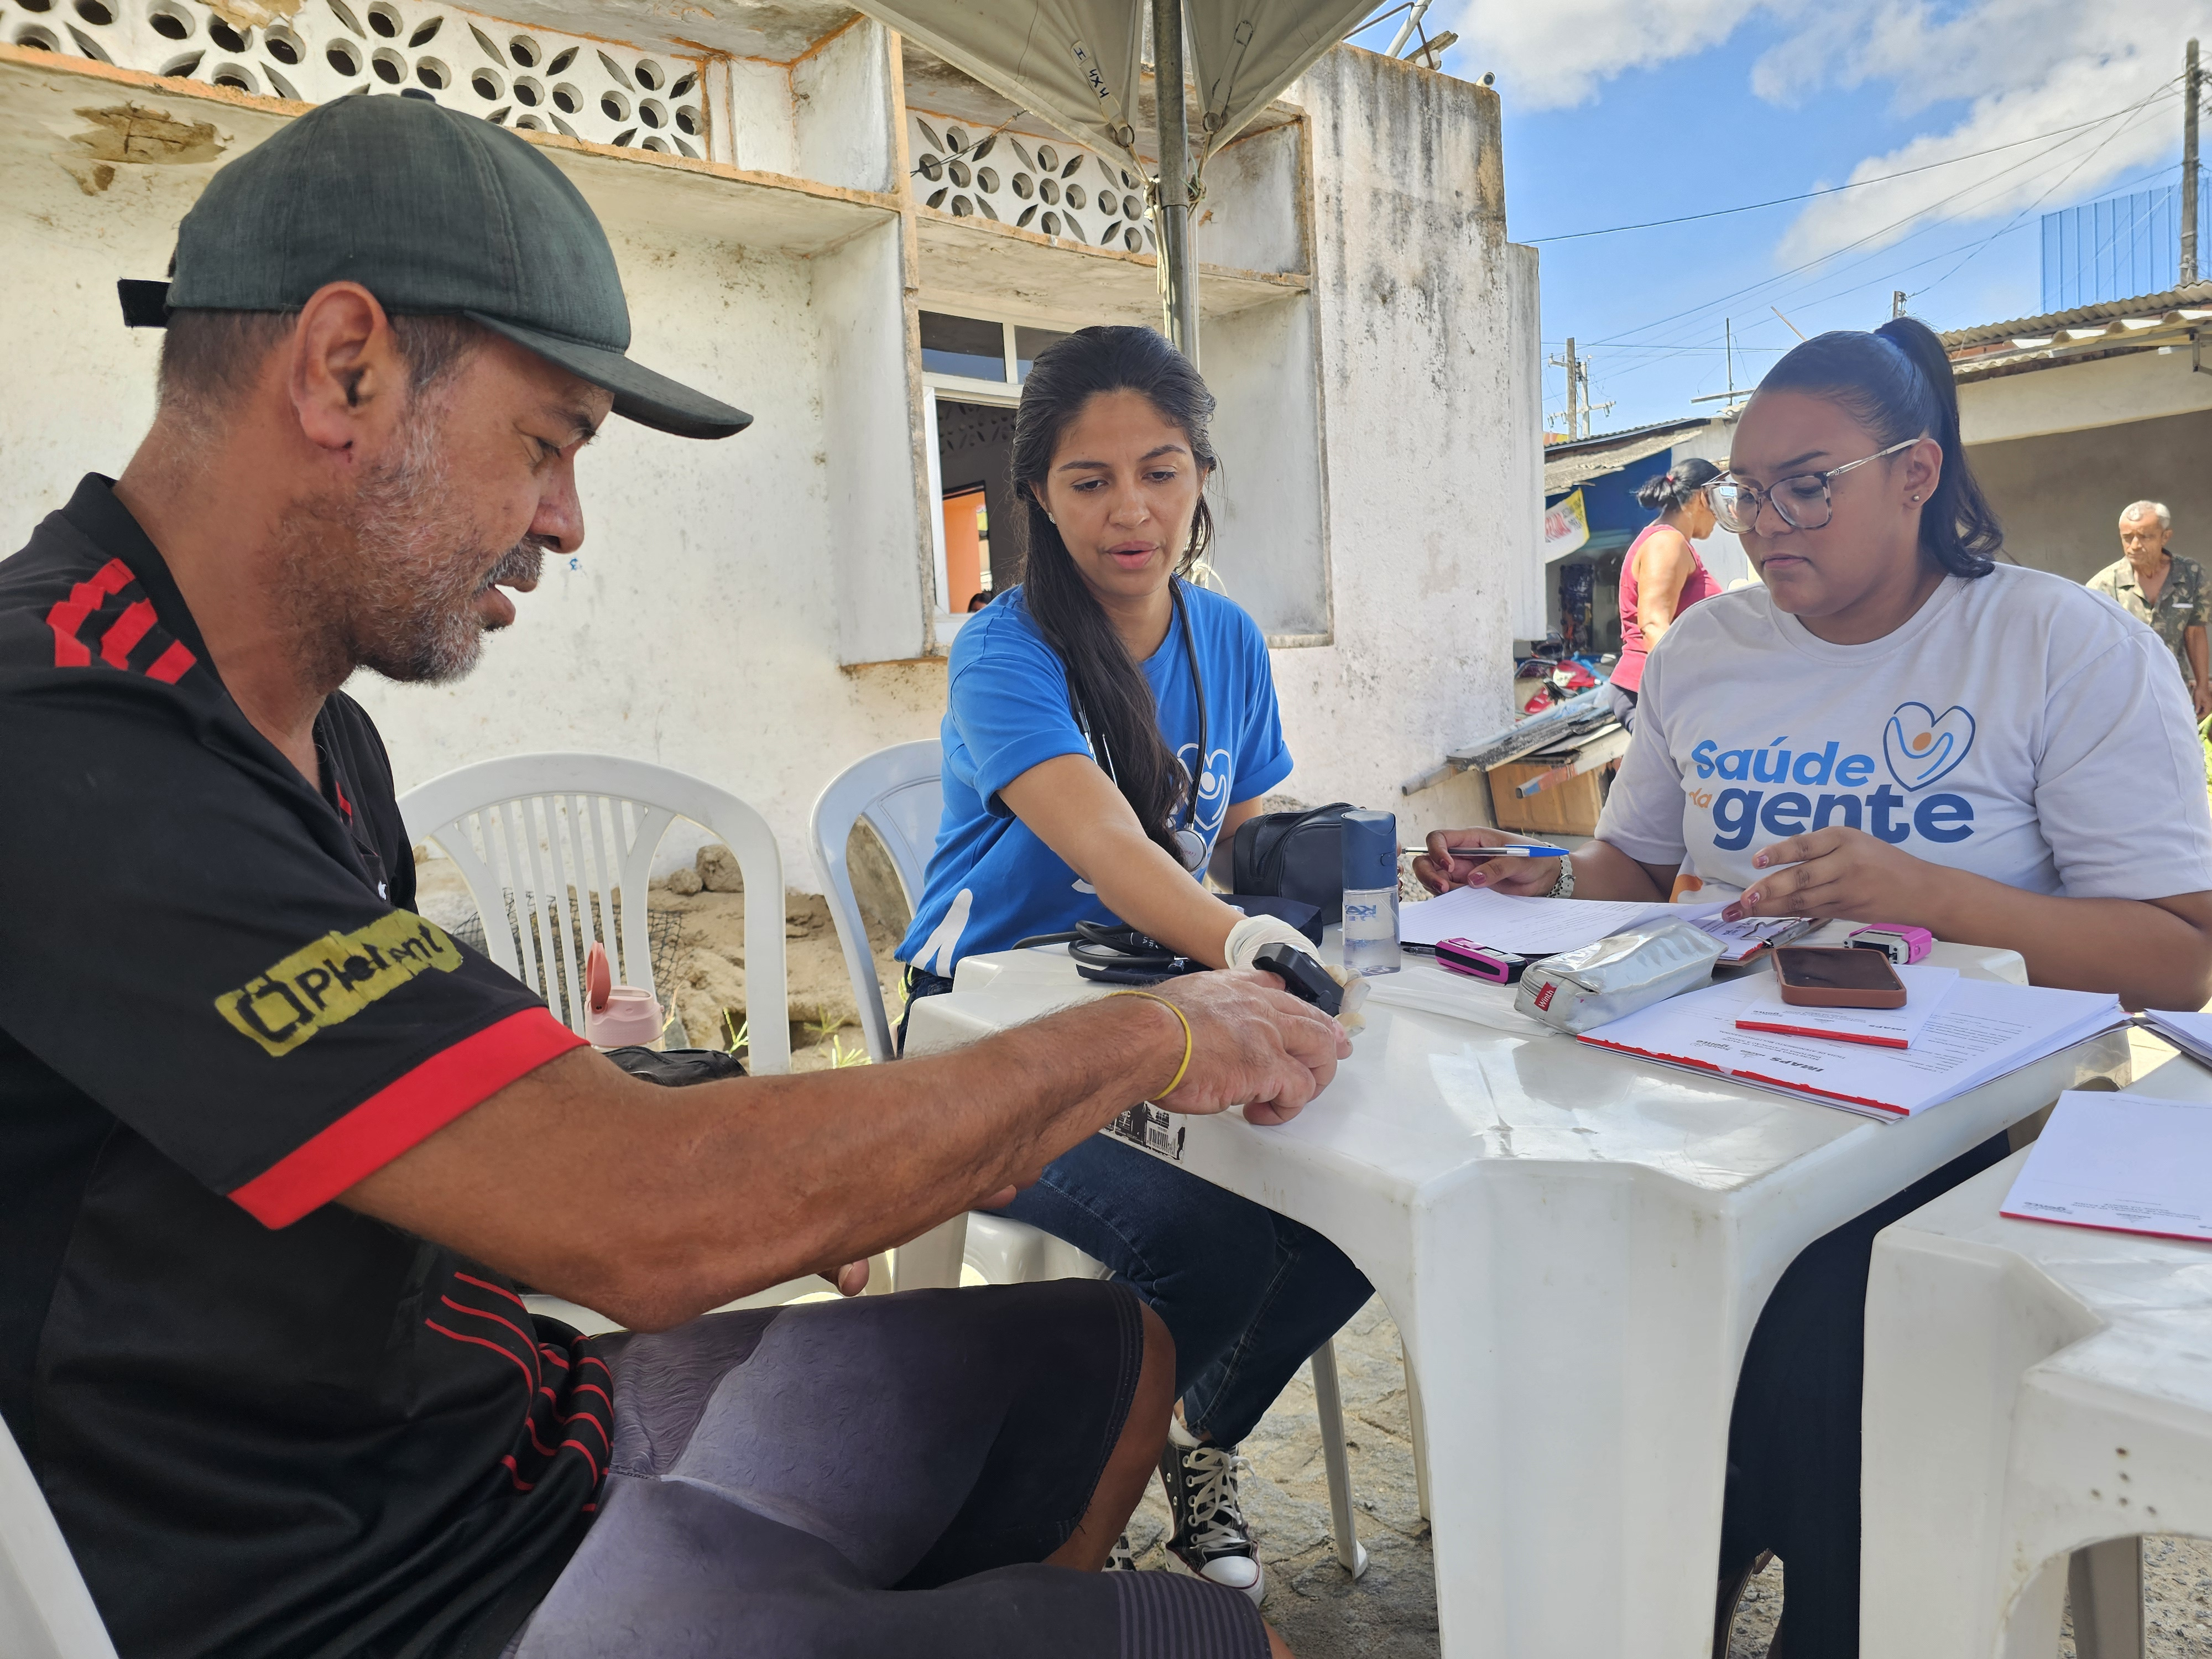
[{"x": 1178, "y": 264}]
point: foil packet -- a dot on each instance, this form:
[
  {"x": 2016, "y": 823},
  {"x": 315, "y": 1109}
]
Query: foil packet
[{"x": 1579, "y": 989}]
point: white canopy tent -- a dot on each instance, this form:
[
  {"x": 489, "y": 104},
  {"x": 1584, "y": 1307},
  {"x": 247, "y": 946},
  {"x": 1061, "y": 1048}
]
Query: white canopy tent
[{"x": 1079, "y": 64}]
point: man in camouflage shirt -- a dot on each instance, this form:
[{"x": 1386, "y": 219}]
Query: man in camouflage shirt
[{"x": 2162, "y": 589}]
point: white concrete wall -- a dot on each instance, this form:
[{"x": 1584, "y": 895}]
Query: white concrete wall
[
  {"x": 1428, "y": 392},
  {"x": 1271, "y": 549},
  {"x": 2074, "y": 397}
]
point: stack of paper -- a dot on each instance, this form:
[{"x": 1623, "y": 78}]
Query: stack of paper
[
  {"x": 2190, "y": 1033},
  {"x": 1925, "y": 988},
  {"x": 2126, "y": 1163},
  {"x": 1982, "y": 1030},
  {"x": 1531, "y": 926}
]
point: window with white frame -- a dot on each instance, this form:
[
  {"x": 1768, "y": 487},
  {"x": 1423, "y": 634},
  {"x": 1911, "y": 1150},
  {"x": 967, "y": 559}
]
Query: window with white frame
[{"x": 972, "y": 371}]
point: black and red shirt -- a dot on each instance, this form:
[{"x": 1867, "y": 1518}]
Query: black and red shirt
[{"x": 268, "y": 1425}]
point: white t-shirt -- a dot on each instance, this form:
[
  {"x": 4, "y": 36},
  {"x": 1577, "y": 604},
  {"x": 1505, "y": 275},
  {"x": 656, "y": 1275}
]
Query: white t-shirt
[{"x": 2018, "y": 726}]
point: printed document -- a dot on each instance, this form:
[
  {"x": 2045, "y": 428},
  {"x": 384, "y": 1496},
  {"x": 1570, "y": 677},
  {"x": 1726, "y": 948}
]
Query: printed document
[
  {"x": 1982, "y": 1030},
  {"x": 2127, "y": 1162},
  {"x": 2190, "y": 1033},
  {"x": 1531, "y": 926},
  {"x": 1925, "y": 988}
]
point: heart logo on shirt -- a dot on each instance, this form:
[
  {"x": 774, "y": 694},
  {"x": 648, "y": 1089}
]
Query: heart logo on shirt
[{"x": 1921, "y": 745}]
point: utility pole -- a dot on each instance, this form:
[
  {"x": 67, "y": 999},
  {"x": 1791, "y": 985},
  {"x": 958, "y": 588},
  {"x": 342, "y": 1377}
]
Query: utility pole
[
  {"x": 2192, "y": 86},
  {"x": 1897, "y": 302},
  {"x": 1580, "y": 407},
  {"x": 1574, "y": 387},
  {"x": 1728, "y": 344}
]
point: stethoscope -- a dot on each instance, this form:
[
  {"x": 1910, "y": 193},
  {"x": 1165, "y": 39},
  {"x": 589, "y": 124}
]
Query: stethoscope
[{"x": 1190, "y": 845}]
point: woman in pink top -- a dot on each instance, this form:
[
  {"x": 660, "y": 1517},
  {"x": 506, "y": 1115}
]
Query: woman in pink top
[{"x": 1662, "y": 576}]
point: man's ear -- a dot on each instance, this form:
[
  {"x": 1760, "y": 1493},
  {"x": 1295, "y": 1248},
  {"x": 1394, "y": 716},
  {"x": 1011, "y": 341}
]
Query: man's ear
[{"x": 345, "y": 374}]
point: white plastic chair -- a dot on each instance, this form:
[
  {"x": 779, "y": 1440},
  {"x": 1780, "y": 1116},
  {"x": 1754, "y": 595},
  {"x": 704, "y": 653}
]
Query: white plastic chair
[
  {"x": 548, "y": 835},
  {"x": 45, "y": 1612},
  {"x": 897, "y": 793}
]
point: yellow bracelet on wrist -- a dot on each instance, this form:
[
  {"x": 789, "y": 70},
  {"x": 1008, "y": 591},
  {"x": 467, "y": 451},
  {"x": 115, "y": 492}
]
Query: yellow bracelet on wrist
[{"x": 1182, "y": 1020}]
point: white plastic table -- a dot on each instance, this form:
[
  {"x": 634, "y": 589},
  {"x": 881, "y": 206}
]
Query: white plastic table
[
  {"x": 2031, "y": 1390},
  {"x": 1575, "y": 1246}
]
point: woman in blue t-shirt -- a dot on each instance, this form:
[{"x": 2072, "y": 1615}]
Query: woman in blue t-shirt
[{"x": 1109, "y": 726}]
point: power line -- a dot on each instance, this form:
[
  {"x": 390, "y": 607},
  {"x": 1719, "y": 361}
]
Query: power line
[
  {"x": 1661, "y": 351},
  {"x": 2063, "y": 138},
  {"x": 2142, "y": 109},
  {"x": 1832, "y": 189}
]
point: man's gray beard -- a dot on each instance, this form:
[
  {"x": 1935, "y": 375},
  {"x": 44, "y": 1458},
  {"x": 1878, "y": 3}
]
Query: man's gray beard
[{"x": 419, "y": 564}]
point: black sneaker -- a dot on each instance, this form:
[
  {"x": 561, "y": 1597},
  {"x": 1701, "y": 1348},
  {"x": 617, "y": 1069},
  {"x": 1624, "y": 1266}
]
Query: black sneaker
[{"x": 1210, "y": 1537}]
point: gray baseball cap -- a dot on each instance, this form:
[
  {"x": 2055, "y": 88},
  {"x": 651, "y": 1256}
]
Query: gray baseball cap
[{"x": 437, "y": 214}]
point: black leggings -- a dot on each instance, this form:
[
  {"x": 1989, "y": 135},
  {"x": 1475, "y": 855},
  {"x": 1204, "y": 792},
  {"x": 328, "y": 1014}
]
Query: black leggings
[{"x": 1793, "y": 1468}]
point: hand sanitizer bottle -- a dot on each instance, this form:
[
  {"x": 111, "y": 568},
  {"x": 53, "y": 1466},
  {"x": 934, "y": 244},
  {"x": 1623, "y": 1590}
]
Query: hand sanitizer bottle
[{"x": 1371, "y": 893}]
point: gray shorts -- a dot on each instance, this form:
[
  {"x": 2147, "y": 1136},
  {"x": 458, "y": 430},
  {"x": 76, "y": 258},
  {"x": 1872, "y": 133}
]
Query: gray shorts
[{"x": 878, "y": 1478}]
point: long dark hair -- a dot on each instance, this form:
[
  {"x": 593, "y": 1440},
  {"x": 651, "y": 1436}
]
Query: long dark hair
[
  {"x": 1678, "y": 486},
  {"x": 1105, "y": 682},
  {"x": 1896, "y": 382}
]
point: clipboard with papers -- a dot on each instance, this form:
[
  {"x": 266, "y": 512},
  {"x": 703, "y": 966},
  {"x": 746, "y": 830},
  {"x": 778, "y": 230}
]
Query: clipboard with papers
[{"x": 1980, "y": 1030}]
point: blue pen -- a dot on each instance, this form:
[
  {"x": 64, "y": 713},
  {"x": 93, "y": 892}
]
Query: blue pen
[{"x": 1517, "y": 850}]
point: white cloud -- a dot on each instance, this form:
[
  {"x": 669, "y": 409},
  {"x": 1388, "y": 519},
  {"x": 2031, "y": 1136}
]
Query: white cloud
[
  {"x": 2023, "y": 68},
  {"x": 2026, "y": 68},
  {"x": 1551, "y": 54}
]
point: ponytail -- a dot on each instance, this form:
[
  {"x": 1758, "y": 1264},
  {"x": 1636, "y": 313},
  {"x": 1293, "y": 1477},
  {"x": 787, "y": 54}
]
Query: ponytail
[
  {"x": 1896, "y": 382},
  {"x": 1678, "y": 486}
]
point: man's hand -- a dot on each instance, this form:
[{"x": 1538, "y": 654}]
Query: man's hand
[
  {"x": 1440, "y": 872},
  {"x": 2200, "y": 693},
  {"x": 1252, "y": 1044},
  {"x": 1835, "y": 872}
]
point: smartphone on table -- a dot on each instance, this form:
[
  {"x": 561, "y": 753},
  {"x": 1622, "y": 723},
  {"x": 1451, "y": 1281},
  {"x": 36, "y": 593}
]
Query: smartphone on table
[{"x": 1836, "y": 976}]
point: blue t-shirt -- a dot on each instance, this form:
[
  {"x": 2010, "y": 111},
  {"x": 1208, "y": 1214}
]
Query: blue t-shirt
[{"x": 992, "y": 881}]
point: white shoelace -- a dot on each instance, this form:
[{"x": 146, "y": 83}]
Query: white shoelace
[{"x": 1212, "y": 1492}]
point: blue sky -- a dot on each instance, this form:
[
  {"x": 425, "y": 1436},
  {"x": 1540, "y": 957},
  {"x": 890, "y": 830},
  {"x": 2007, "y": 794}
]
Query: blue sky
[{"x": 1622, "y": 110}]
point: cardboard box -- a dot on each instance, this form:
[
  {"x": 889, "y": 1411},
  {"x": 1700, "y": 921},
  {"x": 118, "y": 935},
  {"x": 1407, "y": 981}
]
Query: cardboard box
[{"x": 1569, "y": 807}]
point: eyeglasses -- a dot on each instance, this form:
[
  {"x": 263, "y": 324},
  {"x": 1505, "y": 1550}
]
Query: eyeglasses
[{"x": 1803, "y": 502}]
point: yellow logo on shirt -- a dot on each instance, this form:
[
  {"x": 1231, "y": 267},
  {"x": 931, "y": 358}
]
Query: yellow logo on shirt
[{"x": 327, "y": 982}]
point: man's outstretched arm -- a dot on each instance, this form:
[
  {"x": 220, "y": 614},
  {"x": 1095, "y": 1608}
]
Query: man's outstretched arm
[{"x": 653, "y": 1205}]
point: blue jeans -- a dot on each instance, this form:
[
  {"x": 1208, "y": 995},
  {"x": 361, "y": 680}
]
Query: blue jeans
[{"x": 1246, "y": 1293}]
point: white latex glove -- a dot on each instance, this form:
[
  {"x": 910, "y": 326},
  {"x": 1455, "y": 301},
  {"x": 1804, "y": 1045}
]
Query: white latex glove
[{"x": 1254, "y": 933}]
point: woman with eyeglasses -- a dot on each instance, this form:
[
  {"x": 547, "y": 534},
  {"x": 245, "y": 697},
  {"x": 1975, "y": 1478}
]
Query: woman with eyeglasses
[
  {"x": 1108, "y": 725},
  {"x": 1891, "y": 728},
  {"x": 1661, "y": 576}
]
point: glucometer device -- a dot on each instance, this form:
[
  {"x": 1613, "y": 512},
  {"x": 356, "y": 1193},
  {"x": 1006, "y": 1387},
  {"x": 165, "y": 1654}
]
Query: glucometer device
[
  {"x": 1463, "y": 956},
  {"x": 1902, "y": 944},
  {"x": 1302, "y": 976}
]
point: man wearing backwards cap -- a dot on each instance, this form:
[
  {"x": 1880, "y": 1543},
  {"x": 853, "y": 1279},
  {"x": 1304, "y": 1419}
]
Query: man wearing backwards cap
[{"x": 278, "y": 1153}]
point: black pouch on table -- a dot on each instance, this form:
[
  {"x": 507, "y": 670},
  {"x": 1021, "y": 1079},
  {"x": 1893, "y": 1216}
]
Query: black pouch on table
[{"x": 1293, "y": 855}]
